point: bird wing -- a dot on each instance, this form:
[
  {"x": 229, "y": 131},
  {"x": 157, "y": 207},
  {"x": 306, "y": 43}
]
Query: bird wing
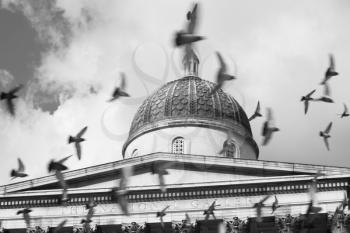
[
  {"x": 329, "y": 127},
  {"x": 331, "y": 61},
  {"x": 188, "y": 219},
  {"x": 267, "y": 137},
  {"x": 310, "y": 94},
  {"x": 123, "y": 203},
  {"x": 346, "y": 109},
  {"x": 269, "y": 114},
  {"x": 161, "y": 182},
  {"x": 252, "y": 117},
  {"x": 20, "y": 165},
  {"x": 193, "y": 20},
  {"x": 326, "y": 142},
  {"x": 80, "y": 134},
  {"x": 265, "y": 198},
  {"x": 306, "y": 106},
  {"x": 257, "y": 110},
  {"x": 60, "y": 226},
  {"x": 26, "y": 218},
  {"x": 163, "y": 211},
  {"x": 64, "y": 159},
  {"x": 221, "y": 61},
  {"x": 122, "y": 81},
  {"x": 78, "y": 148},
  {"x": 60, "y": 179},
  {"x": 10, "y": 106},
  {"x": 16, "y": 89},
  {"x": 327, "y": 89},
  {"x": 90, "y": 214}
]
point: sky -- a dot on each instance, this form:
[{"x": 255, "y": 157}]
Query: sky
[{"x": 69, "y": 55}]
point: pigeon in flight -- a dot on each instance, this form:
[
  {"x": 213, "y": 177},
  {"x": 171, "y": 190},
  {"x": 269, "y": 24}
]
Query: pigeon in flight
[
  {"x": 275, "y": 205},
  {"x": 306, "y": 100},
  {"x": 9, "y": 96},
  {"x": 256, "y": 113},
  {"x": 161, "y": 214},
  {"x": 58, "y": 166},
  {"x": 60, "y": 226},
  {"x": 159, "y": 169},
  {"x": 120, "y": 91},
  {"x": 325, "y": 134},
  {"x": 326, "y": 94},
  {"x": 20, "y": 171},
  {"x": 25, "y": 212},
  {"x": 258, "y": 206},
  {"x": 119, "y": 194},
  {"x": 187, "y": 37},
  {"x": 77, "y": 140},
  {"x": 210, "y": 210},
  {"x": 345, "y": 112},
  {"x": 90, "y": 207},
  {"x": 268, "y": 128},
  {"x": 221, "y": 76},
  {"x": 330, "y": 72}
]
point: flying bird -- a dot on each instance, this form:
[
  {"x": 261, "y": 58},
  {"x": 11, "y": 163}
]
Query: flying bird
[
  {"x": 161, "y": 214},
  {"x": 326, "y": 94},
  {"x": 345, "y": 112},
  {"x": 275, "y": 205},
  {"x": 120, "y": 91},
  {"x": 119, "y": 194},
  {"x": 268, "y": 128},
  {"x": 258, "y": 206},
  {"x": 210, "y": 210},
  {"x": 20, "y": 171},
  {"x": 60, "y": 226},
  {"x": 77, "y": 140},
  {"x": 9, "y": 97},
  {"x": 187, "y": 220},
  {"x": 158, "y": 169},
  {"x": 221, "y": 75},
  {"x": 325, "y": 134},
  {"x": 90, "y": 207},
  {"x": 256, "y": 113},
  {"x": 307, "y": 98},
  {"x": 330, "y": 72},
  {"x": 58, "y": 166},
  {"x": 25, "y": 212}
]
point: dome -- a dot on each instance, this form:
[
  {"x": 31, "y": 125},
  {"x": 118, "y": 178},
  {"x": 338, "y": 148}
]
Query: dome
[{"x": 187, "y": 102}]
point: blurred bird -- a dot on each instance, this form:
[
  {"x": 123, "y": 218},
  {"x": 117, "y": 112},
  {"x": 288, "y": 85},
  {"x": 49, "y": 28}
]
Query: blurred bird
[
  {"x": 310, "y": 215},
  {"x": 268, "y": 128},
  {"x": 210, "y": 211},
  {"x": 345, "y": 202},
  {"x": 161, "y": 214},
  {"x": 20, "y": 171},
  {"x": 77, "y": 140},
  {"x": 58, "y": 166},
  {"x": 119, "y": 194},
  {"x": 345, "y": 112},
  {"x": 187, "y": 220},
  {"x": 9, "y": 97},
  {"x": 120, "y": 91},
  {"x": 330, "y": 72},
  {"x": 25, "y": 212},
  {"x": 256, "y": 113},
  {"x": 306, "y": 100},
  {"x": 275, "y": 205},
  {"x": 159, "y": 169},
  {"x": 326, "y": 94},
  {"x": 258, "y": 206},
  {"x": 192, "y": 15},
  {"x": 221, "y": 76},
  {"x": 325, "y": 134},
  {"x": 90, "y": 207},
  {"x": 228, "y": 143},
  {"x": 60, "y": 226},
  {"x": 63, "y": 185}
]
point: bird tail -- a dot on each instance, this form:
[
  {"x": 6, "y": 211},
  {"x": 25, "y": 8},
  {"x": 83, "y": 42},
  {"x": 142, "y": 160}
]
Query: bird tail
[
  {"x": 70, "y": 139},
  {"x": 2, "y": 96},
  {"x": 13, "y": 173},
  {"x": 321, "y": 133}
]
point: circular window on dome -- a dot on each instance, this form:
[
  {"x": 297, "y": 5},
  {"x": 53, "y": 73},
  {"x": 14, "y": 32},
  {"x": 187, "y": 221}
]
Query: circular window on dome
[{"x": 178, "y": 145}]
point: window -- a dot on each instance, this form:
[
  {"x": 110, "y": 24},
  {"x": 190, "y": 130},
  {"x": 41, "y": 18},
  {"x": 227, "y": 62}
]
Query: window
[
  {"x": 231, "y": 150},
  {"x": 178, "y": 145}
]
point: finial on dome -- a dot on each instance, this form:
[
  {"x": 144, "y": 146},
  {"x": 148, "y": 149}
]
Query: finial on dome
[{"x": 190, "y": 62}]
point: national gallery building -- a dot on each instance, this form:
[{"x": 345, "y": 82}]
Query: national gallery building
[{"x": 184, "y": 128}]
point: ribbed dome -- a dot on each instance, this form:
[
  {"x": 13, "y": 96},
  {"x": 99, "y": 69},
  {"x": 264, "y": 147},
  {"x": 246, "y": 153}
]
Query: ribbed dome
[{"x": 187, "y": 101}]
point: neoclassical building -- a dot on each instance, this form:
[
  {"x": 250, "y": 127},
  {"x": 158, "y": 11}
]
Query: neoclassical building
[{"x": 183, "y": 127}]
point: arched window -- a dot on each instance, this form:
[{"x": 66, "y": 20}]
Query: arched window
[
  {"x": 231, "y": 149},
  {"x": 134, "y": 153},
  {"x": 178, "y": 145}
]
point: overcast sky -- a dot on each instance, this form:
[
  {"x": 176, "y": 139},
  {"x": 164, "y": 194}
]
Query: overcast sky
[{"x": 69, "y": 55}]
